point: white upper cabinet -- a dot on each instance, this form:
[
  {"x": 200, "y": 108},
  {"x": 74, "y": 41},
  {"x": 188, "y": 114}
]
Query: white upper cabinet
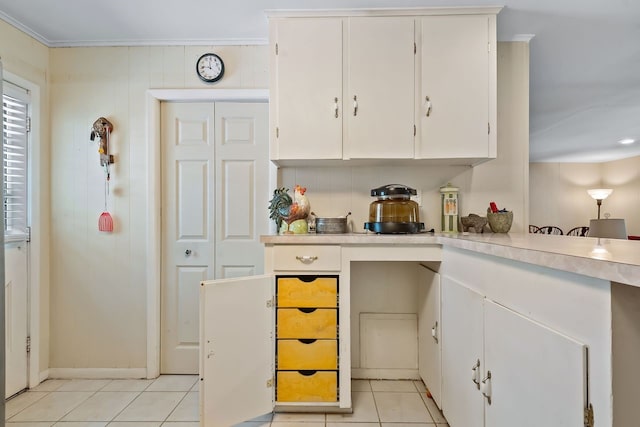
[
  {"x": 306, "y": 88},
  {"x": 457, "y": 104},
  {"x": 380, "y": 88},
  {"x": 358, "y": 85}
]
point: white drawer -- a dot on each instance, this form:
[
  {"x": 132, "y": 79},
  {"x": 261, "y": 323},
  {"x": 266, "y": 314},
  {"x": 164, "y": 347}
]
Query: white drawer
[{"x": 306, "y": 258}]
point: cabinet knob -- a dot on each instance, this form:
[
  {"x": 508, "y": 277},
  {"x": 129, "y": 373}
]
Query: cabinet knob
[
  {"x": 485, "y": 388},
  {"x": 427, "y": 104},
  {"x": 187, "y": 252},
  {"x": 475, "y": 374}
]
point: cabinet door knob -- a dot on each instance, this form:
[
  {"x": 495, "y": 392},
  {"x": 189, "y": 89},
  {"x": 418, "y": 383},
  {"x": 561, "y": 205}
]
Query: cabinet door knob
[
  {"x": 485, "y": 388},
  {"x": 475, "y": 374},
  {"x": 434, "y": 332},
  {"x": 355, "y": 105},
  {"x": 427, "y": 104},
  {"x": 187, "y": 252}
]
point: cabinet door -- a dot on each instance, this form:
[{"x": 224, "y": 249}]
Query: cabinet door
[
  {"x": 462, "y": 347},
  {"x": 380, "y": 88},
  {"x": 429, "y": 357},
  {"x": 236, "y": 350},
  {"x": 455, "y": 87},
  {"x": 306, "y": 88},
  {"x": 537, "y": 374}
]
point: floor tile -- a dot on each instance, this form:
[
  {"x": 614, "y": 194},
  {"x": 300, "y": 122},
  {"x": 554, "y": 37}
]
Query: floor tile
[
  {"x": 173, "y": 383},
  {"x": 254, "y": 424},
  {"x": 433, "y": 409},
  {"x": 83, "y": 385},
  {"x": 354, "y": 425},
  {"x": 49, "y": 385},
  {"x": 364, "y": 409},
  {"x": 21, "y": 401},
  {"x": 151, "y": 406},
  {"x": 296, "y": 424},
  {"x": 396, "y": 407},
  {"x": 102, "y": 406},
  {"x": 360, "y": 385},
  {"x": 407, "y": 425},
  {"x": 127, "y": 385},
  {"x": 52, "y": 407},
  {"x": 134, "y": 424},
  {"x": 283, "y": 417},
  {"x": 188, "y": 409},
  {"x": 80, "y": 424},
  {"x": 420, "y": 386},
  {"x": 265, "y": 417},
  {"x": 34, "y": 424},
  {"x": 184, "y": 424},
  {"x": 391, "y": 385}
]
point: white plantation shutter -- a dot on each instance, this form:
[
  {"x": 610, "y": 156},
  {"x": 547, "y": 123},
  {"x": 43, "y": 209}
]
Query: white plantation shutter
[{"x": 15, "y": 122}]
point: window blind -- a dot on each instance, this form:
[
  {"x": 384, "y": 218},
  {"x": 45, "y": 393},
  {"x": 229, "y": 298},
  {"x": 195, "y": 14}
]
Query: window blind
[{"x": 15, "y": 122}]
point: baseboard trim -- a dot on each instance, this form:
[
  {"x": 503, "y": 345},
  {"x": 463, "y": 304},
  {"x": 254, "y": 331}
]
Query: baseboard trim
[
  {"x": 97, "y": 373},
  {"x": 43, "y": 376},
  {"x": 384, "y": 374}
]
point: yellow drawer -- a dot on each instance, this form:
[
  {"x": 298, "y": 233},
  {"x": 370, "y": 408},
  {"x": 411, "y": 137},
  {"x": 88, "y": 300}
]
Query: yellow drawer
[
  {"x": 316, "y": 323},
  {"x": 307, "y": 386},
  {"x": 306, "y": 258},
  {"x": 298, "y": 292},
  {"x": 307, "y": 354}
]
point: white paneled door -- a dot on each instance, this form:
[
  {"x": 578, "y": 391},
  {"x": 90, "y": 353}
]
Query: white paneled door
[{"x": 214, "y": 178}]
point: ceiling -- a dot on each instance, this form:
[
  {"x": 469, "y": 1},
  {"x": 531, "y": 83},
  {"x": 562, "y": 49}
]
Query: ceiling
[{"x": 585, "y": 54}]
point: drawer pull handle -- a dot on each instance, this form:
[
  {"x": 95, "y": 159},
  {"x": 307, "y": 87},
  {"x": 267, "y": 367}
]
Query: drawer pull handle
[
  {"x": 307, "y": 310},
  {"x": 307, "y": 373},
  {"x": 307, "y": 341},
  {"x": 306, "y": 259},
  {"x": 475, "y": 374},
  {"x": 485, "y": 388}
]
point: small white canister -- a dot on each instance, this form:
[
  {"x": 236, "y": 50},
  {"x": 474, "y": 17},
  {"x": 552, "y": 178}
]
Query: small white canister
[{"x": 449, "y": 204}]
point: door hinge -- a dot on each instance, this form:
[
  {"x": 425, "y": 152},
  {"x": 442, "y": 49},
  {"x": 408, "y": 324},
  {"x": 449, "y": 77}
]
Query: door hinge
[
  {"x": 28, "y": 345},
  {"x": 277, "y": 132},
  {"x": 488, "y": 47},
  {"x": 28, "y": 124},
  {"x": 415, "y": 48},
  {"x": 488, "y": 128},
  {"x": 414, "y": 130},
  {"x": 28, "y": 230},
  {"x": 270, "y": 383},
  {"x": 588, "y": 416},
  {"x": 276, "y": 48},
  {"x": 271, "y": 303}
]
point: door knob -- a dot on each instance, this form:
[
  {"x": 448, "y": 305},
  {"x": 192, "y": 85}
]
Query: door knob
[{"x": 187, "y": 252}]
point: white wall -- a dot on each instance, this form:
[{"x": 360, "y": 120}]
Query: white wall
[
  {"x": 559, "y": 193},
  {"x": 98, "y": 280},
  {"x": 335, "y": 191},
  {"x": 28, "y": 59}
]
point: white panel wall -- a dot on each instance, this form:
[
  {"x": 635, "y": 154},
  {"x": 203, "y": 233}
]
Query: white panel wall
[
  {"x": 505, "y": 180},
  {"x": 98, "y": 297}
]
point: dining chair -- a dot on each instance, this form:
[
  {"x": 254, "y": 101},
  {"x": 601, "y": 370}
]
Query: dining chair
[
  {"x": 579, "y": 231},
  {"x": 550, "y": 229},
  {"x": 533, "y": 228}
]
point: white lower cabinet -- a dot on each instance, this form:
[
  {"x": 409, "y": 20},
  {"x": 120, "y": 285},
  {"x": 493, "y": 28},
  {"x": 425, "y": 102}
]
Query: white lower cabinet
[
  {"x": 429, "y": 336},
  {"x": 502, "y": 369}
]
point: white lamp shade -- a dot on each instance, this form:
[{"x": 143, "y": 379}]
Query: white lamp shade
[
  {"x": 600, "y": 193},
  {"x": 613, "y": 228}
]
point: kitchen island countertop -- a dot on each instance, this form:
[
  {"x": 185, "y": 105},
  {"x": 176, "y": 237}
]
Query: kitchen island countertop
[{"x": 609, "y": 259}]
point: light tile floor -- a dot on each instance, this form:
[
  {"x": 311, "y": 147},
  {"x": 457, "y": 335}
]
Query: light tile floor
[{"x": 172, "y": 401}]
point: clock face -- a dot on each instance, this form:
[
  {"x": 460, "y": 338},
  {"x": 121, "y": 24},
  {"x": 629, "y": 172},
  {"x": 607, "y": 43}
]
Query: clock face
[{"x": 210, "y": 67}]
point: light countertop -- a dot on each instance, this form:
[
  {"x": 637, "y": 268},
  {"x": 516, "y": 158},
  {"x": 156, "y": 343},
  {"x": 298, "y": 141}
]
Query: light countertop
[{"x": 609, "y": 259}]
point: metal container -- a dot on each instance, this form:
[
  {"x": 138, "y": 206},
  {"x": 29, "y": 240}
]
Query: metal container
[{"x": 336, "y": 225}]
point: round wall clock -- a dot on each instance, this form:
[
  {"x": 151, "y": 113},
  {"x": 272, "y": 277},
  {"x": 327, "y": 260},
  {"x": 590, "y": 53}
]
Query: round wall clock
[{"x": 210, "y": 67}]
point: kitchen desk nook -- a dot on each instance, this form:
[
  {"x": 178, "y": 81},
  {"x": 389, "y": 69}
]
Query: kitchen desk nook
[{"x": 504, "y": 329}]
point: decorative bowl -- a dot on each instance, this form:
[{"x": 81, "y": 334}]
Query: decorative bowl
[{"x": 500, "y": 222}]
